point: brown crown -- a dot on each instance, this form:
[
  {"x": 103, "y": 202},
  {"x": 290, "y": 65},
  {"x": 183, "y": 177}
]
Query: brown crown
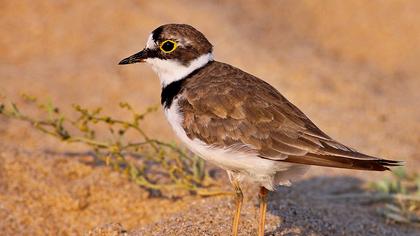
[{"x": 192, "y": 43}]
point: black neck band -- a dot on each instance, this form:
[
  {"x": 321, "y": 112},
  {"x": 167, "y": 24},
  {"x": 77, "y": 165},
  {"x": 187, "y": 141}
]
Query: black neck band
[{"x": 170, "y": 91}]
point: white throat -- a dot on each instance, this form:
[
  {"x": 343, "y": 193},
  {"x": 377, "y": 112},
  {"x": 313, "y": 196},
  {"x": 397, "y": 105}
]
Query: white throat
[{"x": 172, "y": 70}]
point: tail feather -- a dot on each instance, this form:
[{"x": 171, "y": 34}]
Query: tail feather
[{"x": 372, "y": 163}]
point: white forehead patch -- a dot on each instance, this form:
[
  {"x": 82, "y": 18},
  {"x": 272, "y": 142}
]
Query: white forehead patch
[{"x": 151, "y": 44}]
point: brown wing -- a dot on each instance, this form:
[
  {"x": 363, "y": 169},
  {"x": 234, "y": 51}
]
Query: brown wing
[{"x": 224, "y": 106}]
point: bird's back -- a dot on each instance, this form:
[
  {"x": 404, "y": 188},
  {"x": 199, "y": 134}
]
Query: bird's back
[{"x": 225, "y": 107}]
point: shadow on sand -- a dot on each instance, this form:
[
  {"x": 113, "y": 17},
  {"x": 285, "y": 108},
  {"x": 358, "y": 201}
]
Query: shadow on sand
[
  {"x": 320, "y": 206},
  {"x": 313, "y": 206}
]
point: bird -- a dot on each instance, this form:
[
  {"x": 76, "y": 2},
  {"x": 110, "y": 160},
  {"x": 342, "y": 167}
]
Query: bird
[{"x": 237, "y": 121}]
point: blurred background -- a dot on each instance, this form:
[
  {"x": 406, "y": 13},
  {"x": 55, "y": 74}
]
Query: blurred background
[{"x": 351, "y": 66}]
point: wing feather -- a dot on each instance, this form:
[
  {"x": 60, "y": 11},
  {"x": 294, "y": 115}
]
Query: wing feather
[{"x": 224, "y": 106}]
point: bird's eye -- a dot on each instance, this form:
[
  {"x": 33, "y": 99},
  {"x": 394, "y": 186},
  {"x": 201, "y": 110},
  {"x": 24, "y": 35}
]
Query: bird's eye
[{"x": 168, "y": 46}]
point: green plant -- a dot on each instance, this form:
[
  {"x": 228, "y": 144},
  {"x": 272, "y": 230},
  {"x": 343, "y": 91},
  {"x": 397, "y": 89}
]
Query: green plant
[
  {"x": 149, "y": 162},
  {"x": 402, "y": 193}
]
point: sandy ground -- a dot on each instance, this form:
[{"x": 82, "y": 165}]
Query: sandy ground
[{"x": 351, "y": 67}]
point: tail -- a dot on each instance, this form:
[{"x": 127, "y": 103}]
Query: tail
[
  {"x": 334, "y": 154},
  {"x": 371, "y": 163}
]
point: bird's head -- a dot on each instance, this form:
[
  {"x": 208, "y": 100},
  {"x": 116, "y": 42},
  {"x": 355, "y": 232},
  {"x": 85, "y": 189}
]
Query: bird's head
[{"x": 174, "y": 51}]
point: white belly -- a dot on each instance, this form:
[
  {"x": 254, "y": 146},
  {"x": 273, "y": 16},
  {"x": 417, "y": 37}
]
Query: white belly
[{"x": 247, "y": 164}]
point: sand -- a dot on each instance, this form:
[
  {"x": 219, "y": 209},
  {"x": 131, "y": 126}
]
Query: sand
[{"x": 351, "y": 67}]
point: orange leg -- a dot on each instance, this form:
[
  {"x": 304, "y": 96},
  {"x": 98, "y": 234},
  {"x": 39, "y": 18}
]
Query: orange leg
[
  {"x": 238, "y": 201},
  {"x": 263, "y": 195}
]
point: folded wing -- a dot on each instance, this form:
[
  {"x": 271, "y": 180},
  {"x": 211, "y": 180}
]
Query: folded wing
[{"x": 248, "y": 112}]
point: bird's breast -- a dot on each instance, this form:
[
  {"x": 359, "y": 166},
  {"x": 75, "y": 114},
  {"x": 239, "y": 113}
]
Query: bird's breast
[{"x": 229, "y": 158}]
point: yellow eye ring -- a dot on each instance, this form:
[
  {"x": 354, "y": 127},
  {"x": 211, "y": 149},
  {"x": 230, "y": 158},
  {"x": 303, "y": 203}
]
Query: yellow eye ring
[{"x": 168, "y": 46}]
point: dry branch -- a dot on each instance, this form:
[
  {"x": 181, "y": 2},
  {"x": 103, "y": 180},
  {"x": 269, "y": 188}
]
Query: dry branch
[{"x": 159, "y": 165}]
